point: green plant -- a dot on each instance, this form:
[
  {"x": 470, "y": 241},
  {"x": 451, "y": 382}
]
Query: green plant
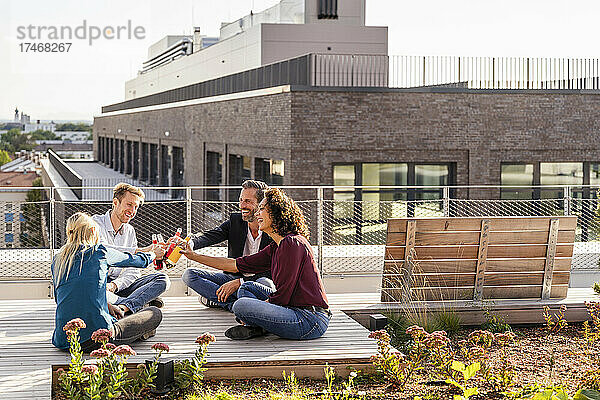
[
  {"x": 495, "y": 323},
  {"x": 559, "y": 393},
  {"x": 189, "y": 373},
  {"x": 596, "y": 287},
  {"x": 397, "y": 368},
  {"x": 467, "y": 373},
  {"x": 448, "y": 320},
  {"x": 592, "y": 332},
  {"x": 556, "y": 321}
]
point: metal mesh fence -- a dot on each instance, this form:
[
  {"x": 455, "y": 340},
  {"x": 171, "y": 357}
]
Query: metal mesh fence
[{"x": 350, "y": 235}]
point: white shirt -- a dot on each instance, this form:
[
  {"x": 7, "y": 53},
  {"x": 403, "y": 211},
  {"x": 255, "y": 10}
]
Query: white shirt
[
  {"x": 252, "y": 246},
  {"x": 123, "y": 240}
]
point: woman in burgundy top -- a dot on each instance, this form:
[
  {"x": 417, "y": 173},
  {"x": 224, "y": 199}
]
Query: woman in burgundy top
[{"x": 298, "y": 308}]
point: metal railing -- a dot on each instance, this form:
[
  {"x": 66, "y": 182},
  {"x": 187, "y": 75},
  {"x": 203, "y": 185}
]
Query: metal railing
[
  {"x": 495, "y": 72},
  {"x": 348, "y": 236}
]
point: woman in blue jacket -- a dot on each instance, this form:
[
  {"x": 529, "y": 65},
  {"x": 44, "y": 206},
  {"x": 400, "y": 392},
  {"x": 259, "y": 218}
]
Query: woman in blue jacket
[{"x": 79, "y": 272}]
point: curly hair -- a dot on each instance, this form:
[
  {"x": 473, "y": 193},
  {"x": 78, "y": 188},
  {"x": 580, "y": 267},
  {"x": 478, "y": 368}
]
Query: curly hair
[{"x": 286, "y": 216}]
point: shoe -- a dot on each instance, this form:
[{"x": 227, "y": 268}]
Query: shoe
[
  {"x": 157, "y": 302},
  {"x": 148, "y": 335},
  {"x": 208, "y": 303},
  {"x": 243, "y": 332}
]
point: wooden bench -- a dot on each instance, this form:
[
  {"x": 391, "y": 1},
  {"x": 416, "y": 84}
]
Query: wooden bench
[{"x": 461, "y": 258}]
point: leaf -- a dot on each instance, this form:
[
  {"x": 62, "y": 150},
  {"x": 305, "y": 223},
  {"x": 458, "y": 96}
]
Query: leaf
[
  {"x": 457, "y": 397},
  {"x": 471, "y": 392},
  {"x": 587, "y": 394},
  {"x": 471, "y": 370},
  {"x": 457, "y": 366},
  {"x": 545, "y": 395},
  {"x": 453, "y": 382}
]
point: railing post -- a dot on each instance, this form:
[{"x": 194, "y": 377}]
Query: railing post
[
  {"x": 446, "y": 200},
  {"x": 188, "y": 224},
  {"x": 320, "y": 228},
  {"x": 567, "y": 200},
  {"x": 51, "y": 232}
]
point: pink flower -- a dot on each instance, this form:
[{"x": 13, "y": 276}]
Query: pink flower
[
  {"x": 504, "y": 338},
  {"x": 205, "y": 338},
  {"x": 110, "y": 346},
  {"x": 380, "y": 335},
  {"x": 100, "y": 353},
  {"x": 124, "y": 350},
  {"x": 74, "y": 325},
  {"x": 90, "y": 369},
  {"x": 160, "y": 347},
  {"x": 102, "y": 335},
  {"x": 416, "y": 332}
]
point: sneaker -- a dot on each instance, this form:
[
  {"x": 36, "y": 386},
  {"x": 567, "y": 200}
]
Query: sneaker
[
  {"x": 157, "y": 302},
  {"x": 148, "y": 335},
  {"x": 243, "y": 332},
  {"x": 208, "y": 303}
]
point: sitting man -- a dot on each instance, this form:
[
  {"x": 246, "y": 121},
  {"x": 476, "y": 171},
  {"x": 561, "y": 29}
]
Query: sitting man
[
  {"x": 129, "y": 289},
  {"x": 219, "y": 289}
]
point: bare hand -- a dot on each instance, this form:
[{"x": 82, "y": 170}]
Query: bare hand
[
  {"x": 158, "y": 250},
  {"x": 115, "y": 311},
  {"x": 186, "y": 249},
  {"x": 227, "y": 289},
  {"x": 111, "y": 287}
]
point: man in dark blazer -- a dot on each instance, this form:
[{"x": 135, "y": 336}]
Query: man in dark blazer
[{"x": 219, "y": 289}]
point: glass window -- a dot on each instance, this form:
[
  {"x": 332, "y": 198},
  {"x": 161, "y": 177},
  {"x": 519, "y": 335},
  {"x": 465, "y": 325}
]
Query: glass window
[
  {"x": 559, "y": 174},
  {"x": 431, "y": 175},
  {"x": 214, "y": 174},
  {"x": 239, "y": 171},
  {"x": 8, "y": 237},
  {"x": 9, "y": 227},
  {"x": 375, "y": 174},
  {"x": 269, "y": 171},
  {"x": 519, "y": 175},
  {"x": 343, "y": 206},
  {"x": 595, "y": 174}
]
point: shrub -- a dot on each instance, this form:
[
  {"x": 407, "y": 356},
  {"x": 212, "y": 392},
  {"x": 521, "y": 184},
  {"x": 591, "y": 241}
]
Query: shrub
[{"x": 495, "y": 323}]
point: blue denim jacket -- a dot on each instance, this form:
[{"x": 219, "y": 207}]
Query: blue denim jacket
[{"x": 82, "y": 294}]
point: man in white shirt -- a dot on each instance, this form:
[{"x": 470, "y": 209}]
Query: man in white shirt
[{"x": 130, "y": 290}]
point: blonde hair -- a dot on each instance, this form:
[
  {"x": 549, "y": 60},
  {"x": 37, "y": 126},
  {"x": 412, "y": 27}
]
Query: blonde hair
[
  {"x": 82, "y": 230},
  {"x": 122, "y": 188}
]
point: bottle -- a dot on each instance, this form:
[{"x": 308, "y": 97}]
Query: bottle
[
  {"x": 172, "y": 245},
  {"x": 158, "y": 264},
  {"x": 175, "y": 255}
]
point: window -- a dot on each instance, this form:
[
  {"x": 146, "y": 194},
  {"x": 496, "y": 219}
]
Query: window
[
  {"x": 177, "y": 172},
  {"x": 8, "y": 237},
  {"x": 9, "y": 227},
  {"x": 239, "y": 171},
  {"x": 269, "y": 171},
  {"x": 153, "y": 178},
  {"x": 361, "y": 214},
  {"x": 516, "y": 175},
  {"x": 8, "y": 217},
  {"x": 559, "y": 174},
  {"x": 214, "y": 174},
  {"x": 8, "y": 207}
]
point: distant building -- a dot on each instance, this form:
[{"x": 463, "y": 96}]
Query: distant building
[
  {"x": 72, "y": 135},
  {"x": 73, "y": 149},
  {"x": 14, "y": 231},
  {"x": 44, "y": 126}
]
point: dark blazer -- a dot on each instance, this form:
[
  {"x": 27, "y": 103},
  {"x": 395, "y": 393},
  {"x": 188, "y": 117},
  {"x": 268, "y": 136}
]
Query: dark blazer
[{"x": 234, "y": 230}]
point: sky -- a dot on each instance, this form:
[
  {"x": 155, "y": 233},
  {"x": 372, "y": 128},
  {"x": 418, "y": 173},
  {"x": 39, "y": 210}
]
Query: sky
[{"x": 74, "y": 85}]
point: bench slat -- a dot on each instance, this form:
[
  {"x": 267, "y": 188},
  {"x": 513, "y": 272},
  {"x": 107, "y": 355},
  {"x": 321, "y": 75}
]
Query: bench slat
[
  {"x": 470, "y": 251},
  {"x": 474, "y": 224},
  {"x": 493, "y": 265},
  {"x": 466, "y": 238},
  {"x": 497, "y": 279}
]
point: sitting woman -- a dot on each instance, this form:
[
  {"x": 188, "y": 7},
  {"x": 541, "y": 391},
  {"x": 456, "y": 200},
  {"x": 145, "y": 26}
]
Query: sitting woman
[
  {"x": 79, "y": 272},
  {"x": 298, "y": 308}
]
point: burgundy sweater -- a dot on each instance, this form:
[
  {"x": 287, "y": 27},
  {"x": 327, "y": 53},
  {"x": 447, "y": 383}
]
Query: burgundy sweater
[{"x": 293, "y": 269}]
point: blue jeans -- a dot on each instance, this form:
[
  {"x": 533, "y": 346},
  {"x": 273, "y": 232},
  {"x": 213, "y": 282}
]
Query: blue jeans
[
  {"x": 286, "y": 322},
  {"x": 256, "y": 289},
  {"x": 206, "y": 283},
  {"x": 142, "y": 291}
]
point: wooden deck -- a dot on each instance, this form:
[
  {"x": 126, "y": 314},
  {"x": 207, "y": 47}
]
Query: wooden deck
[{"x": 26, "y": 354}]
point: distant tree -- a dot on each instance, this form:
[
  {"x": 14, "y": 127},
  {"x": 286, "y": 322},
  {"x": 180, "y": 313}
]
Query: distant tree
[
  {"x": 4, "y": 157},
  {"x": 43, "y": 135},
  {"x": 34, "y": 215},
  {"x": 69, "y": 126},
  {"x": 90, "y": 136},
  {"x": 14, "y": 140}
]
